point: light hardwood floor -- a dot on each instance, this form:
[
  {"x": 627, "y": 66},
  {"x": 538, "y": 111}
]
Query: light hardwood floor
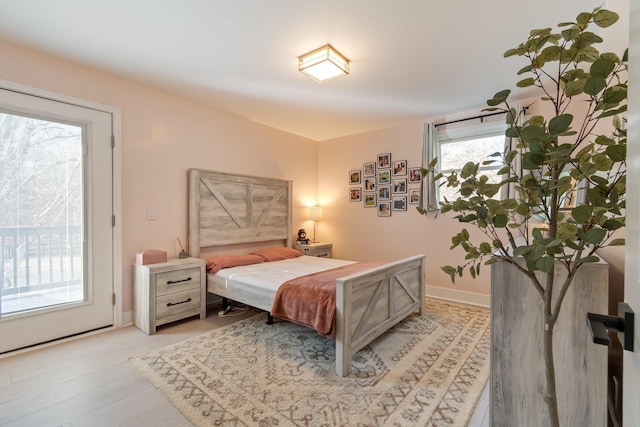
[{"x": 90, "y": 382}]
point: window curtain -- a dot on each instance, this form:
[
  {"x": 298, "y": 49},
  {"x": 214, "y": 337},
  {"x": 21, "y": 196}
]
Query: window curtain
[{"x": 428, "y": 196}]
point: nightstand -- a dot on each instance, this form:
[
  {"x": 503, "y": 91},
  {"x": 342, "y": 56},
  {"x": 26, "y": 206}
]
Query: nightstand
[
  {"x": 168, "y": 291},
  {"x": 316, "y": 249}
]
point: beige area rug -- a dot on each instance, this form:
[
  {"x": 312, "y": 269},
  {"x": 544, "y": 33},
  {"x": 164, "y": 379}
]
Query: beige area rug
[{"x": 427, "y": 371}]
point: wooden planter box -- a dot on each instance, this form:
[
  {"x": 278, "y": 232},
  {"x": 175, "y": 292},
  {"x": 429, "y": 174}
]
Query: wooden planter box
[{"x": 517, "y": 381}]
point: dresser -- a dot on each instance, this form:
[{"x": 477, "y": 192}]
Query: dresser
[
  {"x": 168, "y": 291},
  {"x": 316, "y": 249}
]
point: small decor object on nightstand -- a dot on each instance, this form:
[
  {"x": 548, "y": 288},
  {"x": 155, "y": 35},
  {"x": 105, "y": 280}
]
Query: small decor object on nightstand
[
  {"x": 302, "y": 237},
  {"x": 183, "y": 253}
]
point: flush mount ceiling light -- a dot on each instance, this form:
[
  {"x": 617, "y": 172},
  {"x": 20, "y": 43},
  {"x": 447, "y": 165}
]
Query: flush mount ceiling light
[{"x": 324, "y": 64}]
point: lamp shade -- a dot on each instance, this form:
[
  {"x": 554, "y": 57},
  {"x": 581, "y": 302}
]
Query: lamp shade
[
  {"x": 315, "y": 213},
  {"x": 324, "y": 64}
]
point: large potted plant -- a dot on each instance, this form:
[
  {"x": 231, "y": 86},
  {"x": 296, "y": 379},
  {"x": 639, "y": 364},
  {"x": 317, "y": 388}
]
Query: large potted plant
[{"x": 555, "y": 156}]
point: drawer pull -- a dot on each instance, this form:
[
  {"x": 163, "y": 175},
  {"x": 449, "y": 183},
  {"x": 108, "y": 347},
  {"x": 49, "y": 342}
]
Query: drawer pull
[
  {"x": 173, "y": 282},
  {"x": 170, "y": 304}
]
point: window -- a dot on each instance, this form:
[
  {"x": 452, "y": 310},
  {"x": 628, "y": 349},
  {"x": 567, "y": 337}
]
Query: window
[{"x": 455, "y": 147}]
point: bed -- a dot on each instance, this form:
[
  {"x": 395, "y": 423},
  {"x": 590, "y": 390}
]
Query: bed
[{"x": 231, "y": 213}]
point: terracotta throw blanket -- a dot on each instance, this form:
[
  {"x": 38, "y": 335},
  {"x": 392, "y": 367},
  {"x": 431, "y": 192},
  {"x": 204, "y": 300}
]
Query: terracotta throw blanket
[{"x": 311, "y": 300}]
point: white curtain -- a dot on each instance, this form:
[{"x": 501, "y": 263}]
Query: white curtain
[
  {"x": 428, "y": 195},
  {"x": 508, "y": 191}
]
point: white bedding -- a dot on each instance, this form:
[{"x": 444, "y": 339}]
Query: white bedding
[{"x": 270, "y": 275}]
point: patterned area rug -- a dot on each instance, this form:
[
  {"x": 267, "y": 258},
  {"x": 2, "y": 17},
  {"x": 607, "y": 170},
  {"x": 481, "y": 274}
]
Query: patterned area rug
[{"x": 427, "y": 371}]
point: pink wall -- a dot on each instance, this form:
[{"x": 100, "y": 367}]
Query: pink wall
[{"x": 162, "y": 137}]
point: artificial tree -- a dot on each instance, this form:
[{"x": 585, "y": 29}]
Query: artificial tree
[{"x": 555, "y": 156}]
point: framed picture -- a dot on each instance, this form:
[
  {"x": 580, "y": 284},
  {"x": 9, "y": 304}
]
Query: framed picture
[
  {"x": 400, "y": 185},
  {"x": 384, "y": 192},
  {"x": 370, "y": 184},
  {"x": 354, "y": 177},
  {"x": 384, "y": 208},
  {"x": 400, "y": 168},
  {"x": 355, "y": 194},
  {"x": 415, "y": 175},
  {"x": 384, "y": 176},
  {"x": 384, "y": 161},
  {"x": 399, "y": 203},
  {"x": 370, "y": 200},
  {"x": 369, "y": 169},
  {"x": 414, "y": 196}
]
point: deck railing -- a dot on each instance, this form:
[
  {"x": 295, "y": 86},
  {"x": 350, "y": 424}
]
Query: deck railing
[{"x": 39, "y": 258}]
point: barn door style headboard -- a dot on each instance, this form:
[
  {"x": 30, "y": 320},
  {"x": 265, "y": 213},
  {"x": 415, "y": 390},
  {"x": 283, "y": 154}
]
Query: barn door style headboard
[{"x": 228, "y": 209}]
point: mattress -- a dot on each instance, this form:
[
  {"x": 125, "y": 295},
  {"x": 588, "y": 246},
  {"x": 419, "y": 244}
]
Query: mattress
[{"x": 268, "y": 276}]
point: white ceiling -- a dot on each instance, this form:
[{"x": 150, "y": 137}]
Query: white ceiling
[{"x": 410, "y": 59}]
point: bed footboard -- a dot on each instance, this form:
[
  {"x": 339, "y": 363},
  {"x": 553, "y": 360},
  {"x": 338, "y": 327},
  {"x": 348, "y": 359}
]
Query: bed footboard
[{"x": 371, "y": 302}]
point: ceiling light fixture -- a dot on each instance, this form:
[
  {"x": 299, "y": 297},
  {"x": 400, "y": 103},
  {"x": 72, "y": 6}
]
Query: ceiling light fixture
[{"x": 324, "y": 64}]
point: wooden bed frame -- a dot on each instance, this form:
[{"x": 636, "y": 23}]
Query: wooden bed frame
[{"x": 226, "y": 210}]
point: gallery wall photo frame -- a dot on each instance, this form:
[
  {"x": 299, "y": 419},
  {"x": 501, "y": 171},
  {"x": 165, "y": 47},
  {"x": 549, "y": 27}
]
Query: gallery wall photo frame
[
  {"x": 355, "y": 177},
  {"x": 400, "y": 185},
  {"x": 399, "y": 203},
  {"x": 399, "y": 168},
  {"x": 384, "y": 176},
  {"x": 369, "y": 169},
  {"x": 414, "y": 196},
  {"x": 384, "y": 161},
  {"x": 355, "y": 194},
  {"x": 370, "y": 200},
  {"x": 415, "y": 175},
  {"x": 370, "y": 184},
  {"x": 384, "y": 209},
  {"x": 384, "y": 192}
]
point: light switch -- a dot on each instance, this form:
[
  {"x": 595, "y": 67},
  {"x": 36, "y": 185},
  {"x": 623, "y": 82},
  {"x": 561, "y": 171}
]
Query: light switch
[{"x": 151, "y": 213}]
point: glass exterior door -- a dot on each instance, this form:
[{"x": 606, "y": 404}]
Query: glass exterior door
[{"x": 56, "y": 236}]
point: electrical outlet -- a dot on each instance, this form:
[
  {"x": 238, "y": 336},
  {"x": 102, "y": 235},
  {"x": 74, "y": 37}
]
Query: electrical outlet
[{"x": 151, "y": 214}]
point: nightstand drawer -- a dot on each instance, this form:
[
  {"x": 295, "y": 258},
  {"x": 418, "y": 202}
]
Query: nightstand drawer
[
  {"x": 316, "y": 249},
  {"x": 177, "y": 280},
  {"x": 176, "y": 303}
]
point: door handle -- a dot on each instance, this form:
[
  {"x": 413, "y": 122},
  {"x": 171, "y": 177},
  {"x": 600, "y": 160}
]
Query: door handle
[{"x": 600, "y": 324}]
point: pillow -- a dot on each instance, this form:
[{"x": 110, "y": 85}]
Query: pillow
[
  {"x": 277, "y": 253},
  {"x": 218, "y": 262}
]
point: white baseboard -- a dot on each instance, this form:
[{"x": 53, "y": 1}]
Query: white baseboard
[
  {"x": 459, "y": 296},
  {"x": 127, "y": 318}
]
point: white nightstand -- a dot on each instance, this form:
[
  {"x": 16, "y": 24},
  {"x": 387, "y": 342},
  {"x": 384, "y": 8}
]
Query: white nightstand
[
  {"x": 168, "y": 291},
  {"x": 316, "y": 249}
]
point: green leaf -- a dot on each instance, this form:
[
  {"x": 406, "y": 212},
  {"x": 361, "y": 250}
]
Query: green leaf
[
  {"x": 617, "y": 242},
  {"x": 591, "y": 258},
  {"x": 500, "y": 221},
  {"x": 602, "y": 68},
  {"x": 545, "y": 264},
  {"x": 485, "y": 248},
  {"x": 526, "y": 82},
  {"x": 525, "y": 69},
  {"x": 574, "y": 88},
  {"x": 499, "y": 97},
  {"x": 595, "y": 235},
  {"x": 617, "y": 153},
  {"x": 594, "y": 85},
  {"x": 451, "y": 271},
  {"x": 582, "y": 213},
  {"x": 560, "y": 124},
  {"x": 472, "y": 271},
  {"x": 605, "y": 18},
  {"x": 612, "y": 224},
  {"x": 522, "y": 250}
]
